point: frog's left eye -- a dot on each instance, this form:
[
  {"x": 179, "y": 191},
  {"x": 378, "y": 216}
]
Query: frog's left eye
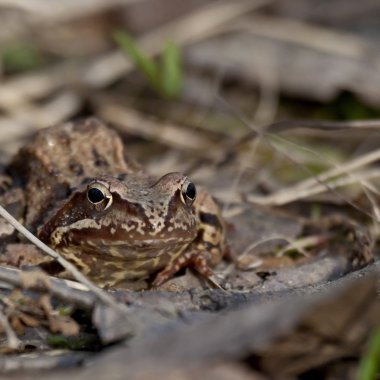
[
  {"x": 98, "y": 194},
  {"x": 189, "y": 193}
]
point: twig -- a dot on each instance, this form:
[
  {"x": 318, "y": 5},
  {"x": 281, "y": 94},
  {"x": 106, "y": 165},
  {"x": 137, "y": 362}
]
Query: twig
[
  {"x": 368, "y": 190},
  {"x": 342, "y": 169},
  {"x": 327, "y": 125},
  {"x": 167, "y": 133},
  {"x": 13, "y": 342},
  {"x": 64, "y": 290},
  {"x": 302, "y": 243},
  {"x": 312, "y": 36},
  {"x": 101, "y": 295},
  {"x": 59, "y": 107},
  {"x": 286, "y": 125},
  {"x": 346, "y": 168},
  {"x": 289, "y": 195},
  {"x": 61, "y": 12},
  {"x": 261, "y": 241},
  {"x": 294, "y": 193}
]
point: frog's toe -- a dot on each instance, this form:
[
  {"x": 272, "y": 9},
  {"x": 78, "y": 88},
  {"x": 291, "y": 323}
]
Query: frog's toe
[{"x": 195, "y": 260}]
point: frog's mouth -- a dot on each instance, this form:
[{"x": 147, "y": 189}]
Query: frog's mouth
[
  {"x": 121, "y": 245},
  {"x": 92, "y": 235},
  {"x": 119, "y": 251}
]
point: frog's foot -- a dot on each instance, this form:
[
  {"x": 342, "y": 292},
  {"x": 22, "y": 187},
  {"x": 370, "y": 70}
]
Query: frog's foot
[{"x": 196, "y": 260}]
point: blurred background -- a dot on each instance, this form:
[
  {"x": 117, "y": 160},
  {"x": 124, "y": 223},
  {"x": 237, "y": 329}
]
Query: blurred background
[{"x": 185, "y": 83}]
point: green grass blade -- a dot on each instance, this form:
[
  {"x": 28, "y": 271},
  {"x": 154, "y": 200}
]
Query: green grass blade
[
  {"x": 370, "y": 362},
  {"x": 144, "y": 63},
  {"x": 171, "y": 71},
  {"x": 20, "y": 57}
]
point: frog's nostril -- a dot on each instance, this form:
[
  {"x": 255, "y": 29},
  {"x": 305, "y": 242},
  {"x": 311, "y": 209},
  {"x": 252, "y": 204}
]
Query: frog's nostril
[{"x": 76, "y": 168}]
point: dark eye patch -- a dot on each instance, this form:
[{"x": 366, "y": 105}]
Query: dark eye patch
[{"x": 210, "y": 219}]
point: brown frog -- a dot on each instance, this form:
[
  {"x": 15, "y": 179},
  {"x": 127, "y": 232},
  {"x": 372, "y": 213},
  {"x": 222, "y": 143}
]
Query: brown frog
[{"x": 97, "y": 207}]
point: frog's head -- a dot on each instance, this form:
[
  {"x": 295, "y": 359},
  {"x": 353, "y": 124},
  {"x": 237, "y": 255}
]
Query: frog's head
[{"x": 130, "y": 216}]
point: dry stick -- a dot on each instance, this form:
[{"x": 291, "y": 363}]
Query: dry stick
[
  {"x": 302, "y": 243},
  {"x": 368, "y": 189},
  {"x": 64, "y": 290},
  {"x": 291, "y": 194},
  {"x": 338, "y": 170},
  {"x": 327, "y": 186},
  {"x": 347, "y": 169},
  {"x": 371, "y": 188},
  {"x": 327, "y": 125},
  {"x": 101, "y": 295},
  {"x": 328, "y": 40},
  {"x": 256, "y": 133},
  {"x": 267, "y": 239},
  {"x": 59, "y": 107},
  {"x": 168, "y": 133},
  {"x": 68, "y": 10},
  {"x": 13, "y": 342},
  {"x": 285, "y": 125}
]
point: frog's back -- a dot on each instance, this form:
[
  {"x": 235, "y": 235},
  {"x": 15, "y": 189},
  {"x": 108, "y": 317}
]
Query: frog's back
[{"x": 59, "y": 158}]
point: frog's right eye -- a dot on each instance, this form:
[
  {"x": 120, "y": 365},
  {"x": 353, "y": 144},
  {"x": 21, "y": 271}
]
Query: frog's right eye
[
  {"x": 188, "y": 192},
  {"x": 98, "y": 194}
]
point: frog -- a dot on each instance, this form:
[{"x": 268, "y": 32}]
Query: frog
[{"x": 85, "y": 197}]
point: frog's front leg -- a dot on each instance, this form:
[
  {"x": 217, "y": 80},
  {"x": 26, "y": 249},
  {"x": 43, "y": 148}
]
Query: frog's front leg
[
  {"x": 192, "y": 258},
  {"x": 208, "y": 248}
]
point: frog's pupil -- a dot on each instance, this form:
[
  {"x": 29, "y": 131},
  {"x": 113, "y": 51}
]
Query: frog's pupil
[
  {"x": 190, "y": 191},
  {"x": 95, "y": 195}
]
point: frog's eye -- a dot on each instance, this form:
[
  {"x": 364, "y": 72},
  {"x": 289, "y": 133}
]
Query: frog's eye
[
  {"x": 188, "y": 192},
  {"x": 98, "y": 194}
]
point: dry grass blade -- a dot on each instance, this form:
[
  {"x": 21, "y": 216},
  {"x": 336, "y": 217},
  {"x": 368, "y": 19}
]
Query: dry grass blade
[
  {"x": 59, "y": 108},
  {"x": 326, "y": 181},
  {"x": 344, "y": 169},
  {"x": 285, "y": 125},
  {"x": 101, "y": 295},
  {"x": 13, "y": 342},
  {"x": 301, "y": 244},
  {"x": 169, "y": 134},
  {"x": 60, "y": 12},
  {"x": 297, "y": 245},
  {"x": 18, "y": 90},
  {"x": 295, "y": 193},
  {"x": 64, "y": 290},
  {"x": 369, "y": 190},
  {"x": 306, "y": 34},
  {"x": 258, "y": 242}
]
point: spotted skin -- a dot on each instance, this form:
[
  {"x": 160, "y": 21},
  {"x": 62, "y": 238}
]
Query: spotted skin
[{"x": 144, "y": 228}]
